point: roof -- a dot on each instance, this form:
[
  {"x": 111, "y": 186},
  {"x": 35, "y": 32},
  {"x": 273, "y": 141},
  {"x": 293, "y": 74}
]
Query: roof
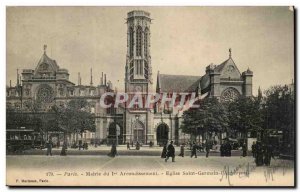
[
  {"x": 178, "y": 83},
  {"x": 229, "y": 61},
  {"x": 222, "y": 65},
  {"x": 48, "y": 60}
]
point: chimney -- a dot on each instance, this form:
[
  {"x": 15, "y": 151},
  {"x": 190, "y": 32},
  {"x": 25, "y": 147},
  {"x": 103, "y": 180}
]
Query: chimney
[
  {"x": 105, "y": 79},
  {"x": 9, "y": 83},
  {"x": 102, "y": 79}
]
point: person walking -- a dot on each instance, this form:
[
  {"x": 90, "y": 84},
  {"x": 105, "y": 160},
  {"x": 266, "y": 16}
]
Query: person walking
[
  {"x": 170, "y": 152},
  {"x": 138, "y": 145},
  {"x": 207, "y": 148},
  {"x": 222, "y": 150},
  {"x": 244, "y": 149},
  {"x": 164, "y": 151},
  {"x": 113, "y": 151},
  {"x": 128, "y": 146},
  {"x": 228, "y": 149},
  {"x": 268, "y": 154},
  {"x": 181, "y": 150},
  {"x": 259, "y": 159},
  {"x": 49, "y": 145},
  {"x": 64, "y": 149},
  {"x": 194, "y": 150}
]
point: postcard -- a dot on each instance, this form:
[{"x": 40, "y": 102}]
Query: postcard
[{"x": 150, "y": 96}]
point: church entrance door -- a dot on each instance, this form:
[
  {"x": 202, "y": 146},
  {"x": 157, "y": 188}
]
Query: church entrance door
[
  {"x": 139, "y": 132},
  {"x": 162, "y": 134}
]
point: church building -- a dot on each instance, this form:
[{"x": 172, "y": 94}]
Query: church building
[{"x": 50, "y": 84}]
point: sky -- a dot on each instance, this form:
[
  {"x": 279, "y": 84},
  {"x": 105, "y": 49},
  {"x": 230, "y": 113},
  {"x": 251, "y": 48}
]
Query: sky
[{"x": 184, "y": 40}]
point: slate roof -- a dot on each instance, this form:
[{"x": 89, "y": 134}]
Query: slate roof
[
  {"x": 48, "y": 60},
  {"x": 221, "y": 66},
  {"x": 178, "y": 83}
]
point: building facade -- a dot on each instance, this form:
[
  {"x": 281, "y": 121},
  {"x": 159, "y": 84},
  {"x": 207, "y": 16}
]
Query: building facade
[{"x": 49, "y": 84}]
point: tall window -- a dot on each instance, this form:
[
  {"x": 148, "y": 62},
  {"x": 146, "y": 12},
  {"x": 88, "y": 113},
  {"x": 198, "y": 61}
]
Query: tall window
[
  {"x": 139, "y": 41},
  {"x": 141, "y": 67},
  {"x": 131, "y": 41},
  {"x": 146, "y": 70},
  {"x": 146, "y": 42}
]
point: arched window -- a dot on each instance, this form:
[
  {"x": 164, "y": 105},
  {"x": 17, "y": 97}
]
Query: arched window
[
  {"x": 139, "y": 41},
  {"x": 131, "y": 41},
  {"x": 146, "y": 42}
]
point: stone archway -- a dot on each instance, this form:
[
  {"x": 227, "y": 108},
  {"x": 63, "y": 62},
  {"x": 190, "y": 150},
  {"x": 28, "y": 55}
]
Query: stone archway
[{"x": 162, "y": 134}]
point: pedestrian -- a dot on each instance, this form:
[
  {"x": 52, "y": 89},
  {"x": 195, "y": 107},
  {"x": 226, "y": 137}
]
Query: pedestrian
[
  {"x": 222, "y": 150},
  {"x": 164, "y": 151},
  {"x": 64, "y": 149},
  {"x": 128, "y": 146},
  {"x": 244, "y": 149},
  {"x": 253, "y": 147},
  {"x": 49, "y": 145},
  {"x": 259, "y": 161},
  {"x": 137, "y": 145},
  {"x": 228, "y": 149},
  {"x": 181, "y": 150},
  {"x": 80, "y": 145},
  {"x": 194, "y": 150},
  {"x": 207, "y": 148},
  {"x": 113, "y": 151},
  {"x": 268, "y": 154},
  {"x": 170, "y": 152},
  {"x": 132, "y": 144},
  {"x": 151, "y": 144}
]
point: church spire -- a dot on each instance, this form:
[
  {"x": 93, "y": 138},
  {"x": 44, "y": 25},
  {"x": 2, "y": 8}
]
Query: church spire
[
  {"x": 229, "y": 53},
  {"x": 259, "y": 95},
  {"x": 91, "y": 83},
  {"x": 45, "y": 48},
  {"x": 79, "y": 79},
  {"x": 18, "y": 77}
]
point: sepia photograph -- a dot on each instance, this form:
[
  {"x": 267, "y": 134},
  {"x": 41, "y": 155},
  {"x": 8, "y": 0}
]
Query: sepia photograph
[{"x": 150, "y": 96}]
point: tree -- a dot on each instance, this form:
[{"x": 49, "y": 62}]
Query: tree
[
  {"x": 279, "y": 111},
  {"x": 245, "y": 115},
  {"x": 74, "y": 117},
  {"x": 210, "y": 117}
]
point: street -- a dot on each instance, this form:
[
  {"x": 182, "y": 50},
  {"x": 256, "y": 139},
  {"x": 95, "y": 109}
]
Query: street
[{"x": 122, "y": 150}]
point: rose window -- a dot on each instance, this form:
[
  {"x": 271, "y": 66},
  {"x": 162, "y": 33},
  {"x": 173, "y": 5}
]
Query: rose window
[
  {"x": 45, "y": 94},
  {"x": 229, "y": 95}
]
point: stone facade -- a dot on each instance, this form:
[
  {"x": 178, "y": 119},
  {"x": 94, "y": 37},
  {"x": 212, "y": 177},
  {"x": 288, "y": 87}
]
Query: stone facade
[{"x": 50, "y": 84}]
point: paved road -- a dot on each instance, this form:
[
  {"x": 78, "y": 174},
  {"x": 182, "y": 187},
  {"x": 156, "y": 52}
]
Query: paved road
[
  {"x": 122, "y": 150},
  {"x": 184, "y": 171}
]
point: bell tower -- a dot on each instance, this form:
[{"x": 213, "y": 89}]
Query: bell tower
[
  {"x": 138, "y": 60},
  {"x": 138, "y": 75}
]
